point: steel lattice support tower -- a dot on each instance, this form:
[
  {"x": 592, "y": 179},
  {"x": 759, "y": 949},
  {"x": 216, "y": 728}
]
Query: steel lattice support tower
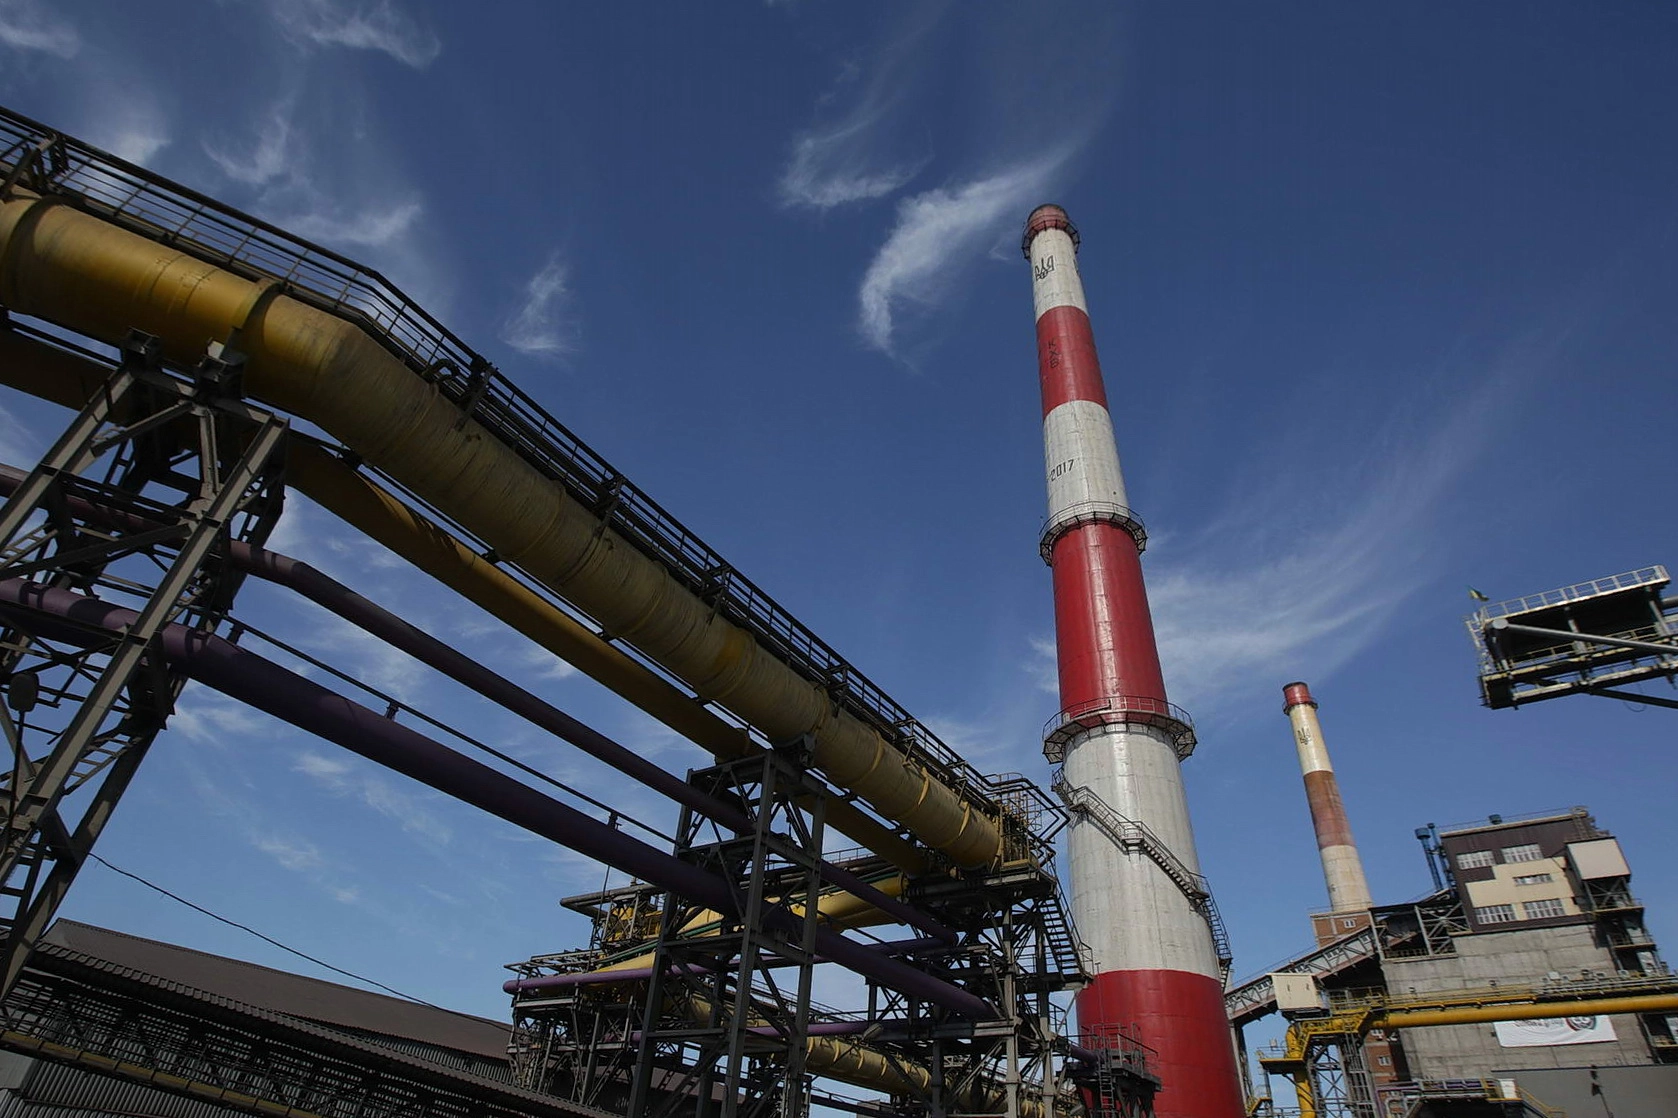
[
  {"x": 722, "y": 1032},
  {"x": 1118, "y": 736},
  {"x": 195, "y": 468}
]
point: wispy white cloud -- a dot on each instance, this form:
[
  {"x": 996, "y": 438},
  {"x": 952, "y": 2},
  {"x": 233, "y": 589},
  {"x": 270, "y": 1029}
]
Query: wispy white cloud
[
  {"x": 938, "y": 227},
  {"x": 360, "y": 654},
  {"x": 342, "y": 777},
  {"x": 1275, "y": 589},
  {"x": 303, "y": 167},
  {"x": 25, "y": 25},
  {"x": 378, "y": 25},
  {"x": 206, "y": 716},
  {"x": 540, "y": 326},
  {"x": 544, "y": 664},
  {"x": 129, "y": 124},
  {"x": 290, "y": 851},
  {"x": 269, "y": 157},
  {"x": 851, "y": 156},
  {"x": 379, "y": 226},
  {"x": 1040, "y": 665},
  {"x": 19, "y": 445},
  {"x": 832, "y": 167}
]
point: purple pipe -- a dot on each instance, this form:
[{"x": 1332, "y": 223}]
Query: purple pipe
[
  {"x": 375, "y": 619},
  {"x": 823, "y": 1028},
  {"x": 260, "y": 683},
  {"x": 815, "y": 1028},
  {"x": 339, "y": 599},
  {"x": 641, "y": 974}
]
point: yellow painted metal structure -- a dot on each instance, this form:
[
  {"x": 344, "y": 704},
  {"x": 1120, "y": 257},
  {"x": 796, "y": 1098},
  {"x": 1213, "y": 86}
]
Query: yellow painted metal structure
[
  {"x": 79, "y": 271},
  {"x": 1355, "y": 1017},
  {"x": 63, "y": 378},
  {"x": 854, "y": 1062}
]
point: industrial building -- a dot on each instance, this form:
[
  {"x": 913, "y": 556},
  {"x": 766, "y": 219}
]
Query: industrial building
[
  {"x": 211, "y": 363},
  {"x": 1526, "y": 977}
]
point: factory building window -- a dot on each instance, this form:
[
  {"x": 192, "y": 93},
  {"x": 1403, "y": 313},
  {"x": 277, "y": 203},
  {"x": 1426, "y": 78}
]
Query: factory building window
[
  {"x": 1495, "y": 913},
  {"x": 1533, "y": 879},
  {"x": 1530, "y": 852},
  {"x": 1538, "y": 910},
  {"x": 1474, "y": 859}
]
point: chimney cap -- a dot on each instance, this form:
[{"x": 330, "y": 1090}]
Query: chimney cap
[
  {"x": 1296, "y": 694},
  {"x": 1044, "y": 217}
]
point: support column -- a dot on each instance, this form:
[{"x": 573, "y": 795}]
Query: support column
[{"x": 198, "y": 468}]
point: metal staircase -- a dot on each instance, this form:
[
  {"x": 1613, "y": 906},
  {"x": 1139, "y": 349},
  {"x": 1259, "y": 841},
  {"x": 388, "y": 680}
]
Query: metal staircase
[
  {"x": 1133, "y": 837},
  {"x": 1068, "y": 954}
]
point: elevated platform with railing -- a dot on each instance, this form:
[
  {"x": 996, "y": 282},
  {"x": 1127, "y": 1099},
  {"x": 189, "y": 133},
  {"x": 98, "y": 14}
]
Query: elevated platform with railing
[
  {"x": 1592, "y": 637},
  {"x": 1118, "y": 710}
]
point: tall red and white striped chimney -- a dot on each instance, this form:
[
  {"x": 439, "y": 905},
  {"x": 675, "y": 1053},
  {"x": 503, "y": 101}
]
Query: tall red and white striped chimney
[
  {"x": 1348, "y": 890},
  {"x": 1119, "y": 739}
]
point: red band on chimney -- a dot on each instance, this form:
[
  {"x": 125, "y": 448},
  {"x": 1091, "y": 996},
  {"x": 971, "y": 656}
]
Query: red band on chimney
[
  {"x": 1181, "y": 1017},
  {"x": 1066, "y": 360}
]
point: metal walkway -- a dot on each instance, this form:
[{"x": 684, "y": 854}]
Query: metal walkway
[
  {"x": 52, "y": 164},
  {"x": 1256, "y": 997}
]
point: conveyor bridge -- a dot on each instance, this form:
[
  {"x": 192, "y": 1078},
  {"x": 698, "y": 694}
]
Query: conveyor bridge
[{"x": 53, "y": 165}]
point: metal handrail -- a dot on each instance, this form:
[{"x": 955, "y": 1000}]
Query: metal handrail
[
  {"x": 136, "y": 199},
  {"x": 1128, "y": 832},
  {"x": 1118, "y": 709},
  {"x": 1090, "y": 512},
  {"x": 1579, "y": 591}
]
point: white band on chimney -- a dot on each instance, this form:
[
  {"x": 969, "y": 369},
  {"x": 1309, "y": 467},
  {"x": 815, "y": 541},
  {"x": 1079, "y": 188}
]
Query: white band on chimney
[{"x": 1054, "y": 272}]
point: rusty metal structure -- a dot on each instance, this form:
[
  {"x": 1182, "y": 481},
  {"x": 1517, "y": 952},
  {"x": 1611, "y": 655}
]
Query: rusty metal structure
[{"x": 123, "y": 550}]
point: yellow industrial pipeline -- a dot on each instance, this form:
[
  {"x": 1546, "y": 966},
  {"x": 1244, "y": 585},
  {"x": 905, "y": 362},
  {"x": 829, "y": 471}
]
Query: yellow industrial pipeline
[
  {"x": 64, "y": 378},
  {"x": 860, "y": 1065},
  {"x": 1447, "y": 1008},
  {"x": 835, "y": 909},
  {"x": 1579, "y": 1007},
  {"x": 90, "y": 276}
]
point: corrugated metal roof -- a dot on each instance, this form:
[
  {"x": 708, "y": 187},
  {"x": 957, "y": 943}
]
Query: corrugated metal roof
[
  {"x": 55, "y": 1091},
  {"x": 291, "y": 994},
  {"x": 82, "y": 967}
]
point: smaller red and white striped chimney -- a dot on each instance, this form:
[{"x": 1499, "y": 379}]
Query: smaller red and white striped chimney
[{"x": 1348, "y": 891}]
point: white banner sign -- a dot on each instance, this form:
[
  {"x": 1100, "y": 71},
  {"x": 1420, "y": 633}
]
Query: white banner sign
[{"x": 1547, "y": 1031}]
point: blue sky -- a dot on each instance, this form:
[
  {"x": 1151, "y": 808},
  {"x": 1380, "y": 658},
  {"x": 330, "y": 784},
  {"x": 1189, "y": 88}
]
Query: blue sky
[{"x": 1384, "y": 300}]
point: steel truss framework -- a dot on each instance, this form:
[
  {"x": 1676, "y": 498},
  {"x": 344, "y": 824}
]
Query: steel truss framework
[
  {"x": 186, "y": 457},
  {"x": 1329, "y": 1072},
  {"x": 711, "y": 1025},
  {"x": 720, "y": 1026},
  {"x": 47, "y": 162}
]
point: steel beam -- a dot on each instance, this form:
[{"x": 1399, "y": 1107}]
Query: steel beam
[
  {"x": 222, "y": 461},
  {"x": 247, "y": 677},
  {"x": 1571, "y": 637},
  {"x": 1632, "y": 697}
]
